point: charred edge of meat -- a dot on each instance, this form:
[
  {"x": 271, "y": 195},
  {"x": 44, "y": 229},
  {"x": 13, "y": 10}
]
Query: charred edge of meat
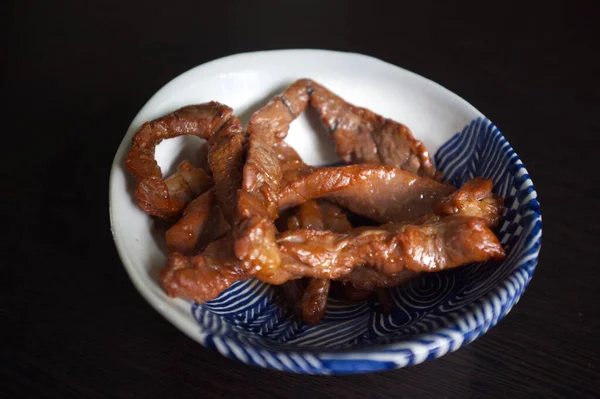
[
  {"x": 288, "y": 105},
  {"x": 334, "y": 125}
]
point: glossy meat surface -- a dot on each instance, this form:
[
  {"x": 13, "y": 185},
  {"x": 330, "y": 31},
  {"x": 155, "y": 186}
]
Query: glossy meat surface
[
  {"x": 320, "y": 215},
  {"x": 382, "y": 193},
  {"x": 474, "y": 198},
  {"x": 225, "y": 159},
  {"x": 202, "y": 277},
  {"x": 226, "y": 156},
  {"x": 393, "y": 251},
  {"x": 184, "y": 235},
  {"x": 201, "y": 222},
  {"x": 257, "y": 205},
  {"x": 187, "y": 182},
  {"x": 431, "y": 245},
  {"x": 205, "y": 276},
  {"x": 308, "y": 297},
  {"x": 292, "y": 166},
  {"x": 308, "y": 215},
  {"x": 166, "y": 199},
  {"x": 334, "y": 217}
]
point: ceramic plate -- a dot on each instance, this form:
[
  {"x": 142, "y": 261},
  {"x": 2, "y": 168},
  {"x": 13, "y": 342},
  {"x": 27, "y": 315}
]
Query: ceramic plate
[{"x": 434, "y": 315}]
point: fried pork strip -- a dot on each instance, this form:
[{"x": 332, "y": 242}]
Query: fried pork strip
[
  {"x": 382, "y": 193},
  {"x": 255, "y": 232},
  {"x": 307, "y": 297},
  {"x": 226, "y": 157},
  {"x": 474, "y": 198},
  {"x": 362, "y": 136},
  {"x": 226, "y": 160},
  {"x": 202, "y": 277},
  {"x": 201, "y": 222},
  {"x": 167, "y": 198},
  {"x": 431, "y": 245}
]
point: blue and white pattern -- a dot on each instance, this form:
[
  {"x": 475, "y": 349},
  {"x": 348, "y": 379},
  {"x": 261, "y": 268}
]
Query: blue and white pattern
[{"x": 434, "y": 315}]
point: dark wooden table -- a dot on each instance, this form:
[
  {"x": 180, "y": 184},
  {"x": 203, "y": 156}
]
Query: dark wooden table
[{"x": 75, "y": 74}]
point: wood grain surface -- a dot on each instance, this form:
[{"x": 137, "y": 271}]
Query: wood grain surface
[{"x": 75, "y": 73}]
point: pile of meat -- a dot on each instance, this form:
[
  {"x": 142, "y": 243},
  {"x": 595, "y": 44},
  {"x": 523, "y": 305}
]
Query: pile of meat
[{"x": 260, "y": 212}]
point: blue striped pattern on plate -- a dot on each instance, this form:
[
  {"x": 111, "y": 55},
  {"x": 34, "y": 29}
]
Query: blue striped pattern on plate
[{"x": 433, "y": 315}]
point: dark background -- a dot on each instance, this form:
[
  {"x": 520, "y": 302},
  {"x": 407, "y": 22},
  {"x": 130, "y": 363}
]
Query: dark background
[{"x": 75, "y": 74}]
